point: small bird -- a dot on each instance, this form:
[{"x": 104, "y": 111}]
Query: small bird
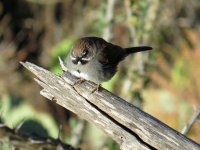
[{"x": 94, "y": 59}]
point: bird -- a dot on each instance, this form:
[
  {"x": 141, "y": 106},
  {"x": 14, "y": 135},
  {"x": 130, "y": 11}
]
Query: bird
[{"x": 95, "y": 59}]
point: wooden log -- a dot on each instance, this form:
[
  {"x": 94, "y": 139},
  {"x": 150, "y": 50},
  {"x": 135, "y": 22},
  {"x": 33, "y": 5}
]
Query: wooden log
[{"x": 129, "y": 126}]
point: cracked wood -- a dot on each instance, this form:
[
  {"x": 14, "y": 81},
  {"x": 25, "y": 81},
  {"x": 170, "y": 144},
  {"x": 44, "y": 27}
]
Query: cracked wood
[{"x": 129, "y": 126}]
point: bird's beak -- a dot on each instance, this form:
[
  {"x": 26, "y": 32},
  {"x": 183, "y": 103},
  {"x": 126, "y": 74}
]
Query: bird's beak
[{"x": 77, "y": 60}]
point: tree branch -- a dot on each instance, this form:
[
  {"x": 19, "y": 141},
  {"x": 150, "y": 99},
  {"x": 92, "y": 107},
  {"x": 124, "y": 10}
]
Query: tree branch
[
  {"x": 107, "y": 34},
  {"x": 188, "y": 126},
  {"x": 129, "y": 126},
  {"x": 21, "y": 141}
]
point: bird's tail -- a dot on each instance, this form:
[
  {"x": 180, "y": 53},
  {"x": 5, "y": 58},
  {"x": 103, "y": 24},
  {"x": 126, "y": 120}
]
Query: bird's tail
[{"x": 137, "y": 49}]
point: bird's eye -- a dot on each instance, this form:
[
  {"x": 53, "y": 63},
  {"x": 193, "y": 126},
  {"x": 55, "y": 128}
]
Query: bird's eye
[{"x": 85, "y": 52}]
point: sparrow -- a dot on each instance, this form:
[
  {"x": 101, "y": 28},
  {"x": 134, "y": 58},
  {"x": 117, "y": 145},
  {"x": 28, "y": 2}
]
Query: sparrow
[{"x": 96, "y": 60}]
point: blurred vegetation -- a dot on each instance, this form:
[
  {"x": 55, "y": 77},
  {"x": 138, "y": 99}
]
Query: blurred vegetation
[{"x": 164, "y": 82}]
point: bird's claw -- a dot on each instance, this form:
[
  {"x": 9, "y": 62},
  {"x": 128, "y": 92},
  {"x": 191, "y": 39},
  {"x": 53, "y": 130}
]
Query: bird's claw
[
  {"x": 79, "y": 81},
  {"x": 97, "y": 88}
]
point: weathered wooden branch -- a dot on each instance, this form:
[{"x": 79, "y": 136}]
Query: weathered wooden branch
[
  {"x": 30, "y": 142},
  {"x": 129, "y": 126}
]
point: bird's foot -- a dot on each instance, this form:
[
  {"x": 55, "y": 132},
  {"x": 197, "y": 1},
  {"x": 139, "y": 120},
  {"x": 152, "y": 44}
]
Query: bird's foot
[
  {"x": 79, "y": 81},
  {"x": 97, "y": 88}
]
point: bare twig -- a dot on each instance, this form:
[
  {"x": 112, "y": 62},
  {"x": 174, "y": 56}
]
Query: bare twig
[
  {"x": 107, "y": 33},
  {"x": 137, "y": 63},
  {"x": 192, "y": 120},
  {"x": 129, "y": 16}
]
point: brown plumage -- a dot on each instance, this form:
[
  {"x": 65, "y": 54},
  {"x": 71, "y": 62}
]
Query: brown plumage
[{"x": 94, "y": 59}]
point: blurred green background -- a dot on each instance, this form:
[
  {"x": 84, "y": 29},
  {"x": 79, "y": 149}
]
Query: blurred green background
[{"x": 164, "y": 83}]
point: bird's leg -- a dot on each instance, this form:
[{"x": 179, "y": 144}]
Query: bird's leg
[
  {"x": 79, "y": 81},
  {"x": 97, "y": 88}
]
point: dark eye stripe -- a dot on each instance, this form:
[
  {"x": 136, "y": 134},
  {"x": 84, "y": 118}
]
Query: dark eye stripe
[
  {"x": 85, "y": 52},
  {"x": 75, "y": 61},
  {"x": 83, "y": 62}
]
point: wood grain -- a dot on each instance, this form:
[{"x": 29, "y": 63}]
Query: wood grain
[{"x": 129, "y": 126}]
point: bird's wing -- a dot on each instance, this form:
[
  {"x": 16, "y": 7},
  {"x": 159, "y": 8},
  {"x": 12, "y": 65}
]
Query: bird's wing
[{"x": 110, "y": 55}]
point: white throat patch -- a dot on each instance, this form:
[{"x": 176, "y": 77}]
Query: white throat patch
[{"x": 80, "y": 75}]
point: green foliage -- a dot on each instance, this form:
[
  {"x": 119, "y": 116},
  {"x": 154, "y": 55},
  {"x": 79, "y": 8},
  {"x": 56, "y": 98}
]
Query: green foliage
[
  {"x": 180, "y": 74},
  {"x": 100, "y": 22},
  {"x": 61, "y": 49},
  {"x": 112, "y": 145},
  {"x": 185, "y": 113},
  {"x": 98, "y": 139},
  {"x": 13, "y": 115},
  {"x": 110, "y": 84},
  {"x": 5, "y": 146},
  {"x": 166, "y": 101}
]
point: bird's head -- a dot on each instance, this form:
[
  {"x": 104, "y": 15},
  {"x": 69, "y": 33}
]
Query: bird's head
[{"x": 83, "y": 51}]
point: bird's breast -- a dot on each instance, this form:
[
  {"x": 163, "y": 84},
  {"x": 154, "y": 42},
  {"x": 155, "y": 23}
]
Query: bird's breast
[
  {"x": 80, "y": 74},
  {"x": 92, "y": 70}
]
